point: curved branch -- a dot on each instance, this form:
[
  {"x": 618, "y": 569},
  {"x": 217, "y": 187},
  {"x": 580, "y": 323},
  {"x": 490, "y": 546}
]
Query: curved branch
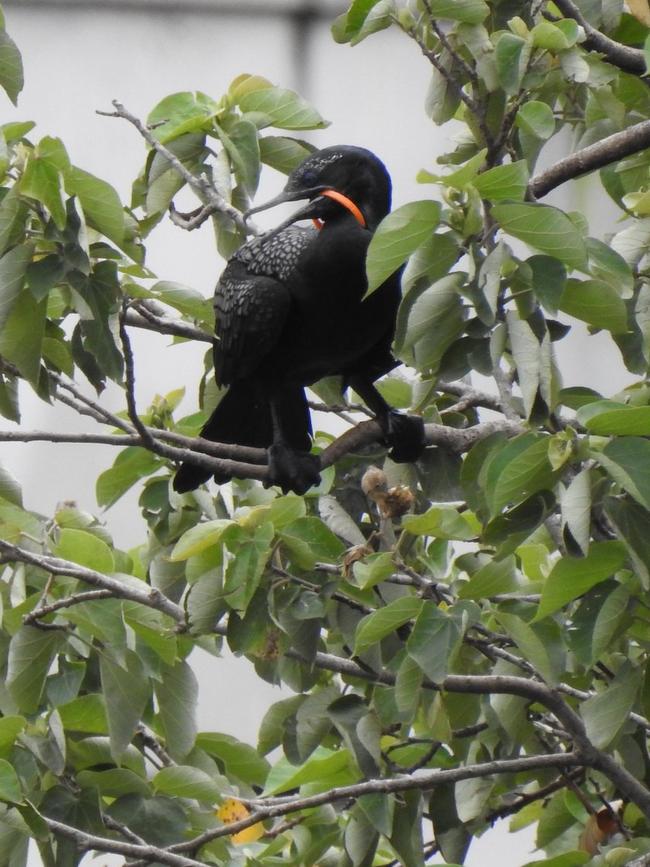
[
  {"x": 626, "y": 58},
  {"x": 531, "y": 690},
  {"x": 149, "y": 596},
  {"x": 201, "y": 186},
  {"x": 44, "y": 609},
  {"x": 611, "y": 149}
]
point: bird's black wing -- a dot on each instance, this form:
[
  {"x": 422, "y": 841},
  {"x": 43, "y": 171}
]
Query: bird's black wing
[{"x": 252, "y": 302}]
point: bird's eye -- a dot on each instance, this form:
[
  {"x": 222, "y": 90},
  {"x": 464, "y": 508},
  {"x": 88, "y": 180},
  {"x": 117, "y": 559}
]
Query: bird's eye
[{"x": 310, "y": 177}]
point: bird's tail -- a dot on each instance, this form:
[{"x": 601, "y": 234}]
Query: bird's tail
[{"x": 243, "y": 417}]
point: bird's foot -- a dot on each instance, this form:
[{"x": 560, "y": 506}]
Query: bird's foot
[
  {"x": 292, "y": 470},
  {"x": 405, "y": 435}
]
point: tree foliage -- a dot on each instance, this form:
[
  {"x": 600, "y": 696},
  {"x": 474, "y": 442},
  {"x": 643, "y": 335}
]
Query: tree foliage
[{"x": 467, "y": 639}]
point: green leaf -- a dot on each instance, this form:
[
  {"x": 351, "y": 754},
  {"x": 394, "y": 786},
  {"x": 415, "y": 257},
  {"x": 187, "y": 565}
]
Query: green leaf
[
  {"x": 545, "y": 228},
  {"x": 627, "y": 460},
  {"x": 240, "y": 760},
  {"x": 31, "y": 652},
  {"x": 630, "y": 521},
  {"x": 397, "y": 236},
  {"x": 529, "y": 643},
  {"x": 379, "y": 809},
  {"x": 282, "y": 153},
  {"x": 364, "y": 18},
  {"x": 550, "y": 37},
  {"x": 531, "y": 352},
  {"x": 245, "y": 569},
  {"x": 199, "y": 537},
  {"x": 467, "y": 11},
  {"x": 84, "y": 548},
  {"x": 185, "y": 781},
  {"x": 606, "y": 418},
  {"x": 503, "y": 182},
  {"x": 310, "y": 541},
  {"x": 181, "y": 113},
  {"x": 537, "y": 119},
  {"x": 240, "y": 142},
  {"x": 186, "y": 300},
  {"x": 608, "y": 620},
  {"x": 13, "y": 266},
  {"x": 282, "y": 108},
  {"x": 131, "y": 465},
  {"x": 42, "y": 180},
  {"x": 21, "y": 339},
  {"x": 519, "y": 469},
  {"x": 430, "y": 322},
  {"x": 177, "y": 694},
  {"x": 605, "y": 714},
  {"x": 10, "y": 728},
  {"x": 322, "y": 764},
  {"x": 433, "y": 641},
  {"x": 596, "y": 303},
  {"x": 126, "y": 692},
  {"x": 608, "y": 266},
  {"x": 431, "y": 260},
  {"x": 11, "y": 67},
  {"x": 495, "y": 576},
  {"x": 9, "y": 784},
  {"x": 87, "y": 713},
  {"x": 372, "y": 570},
  {"x": 570, "y": 577},
  {"x": 114, "y": 783},
  {"x": 511, "y": 53},
  {"x": 373, "y": 627},
  {"x": 576, "y": 509},
  {"x": 100, "y": 202},
  {"x": 440, "y": 522}
]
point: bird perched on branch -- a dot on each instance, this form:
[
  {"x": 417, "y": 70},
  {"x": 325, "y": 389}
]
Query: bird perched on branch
[{"x": 290, "y": 309}]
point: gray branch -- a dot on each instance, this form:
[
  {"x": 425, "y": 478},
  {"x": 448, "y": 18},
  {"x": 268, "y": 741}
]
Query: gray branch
[
  {"x": 149, "y": 596},
  {"x": 422, "y": 780},
  {"x": 602, "y": 153},
  {"x": 626, "y": 58},
  {"x": 201, "y": 186}
]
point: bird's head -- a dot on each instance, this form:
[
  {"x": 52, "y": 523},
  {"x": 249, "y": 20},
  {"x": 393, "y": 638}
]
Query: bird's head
[{"x": 337, "y": 180}]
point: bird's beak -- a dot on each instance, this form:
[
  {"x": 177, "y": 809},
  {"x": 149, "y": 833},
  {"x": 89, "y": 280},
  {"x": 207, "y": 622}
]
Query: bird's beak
[{"x": 289, "y": 196}]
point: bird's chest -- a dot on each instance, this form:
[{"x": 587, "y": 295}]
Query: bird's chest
[{"x": 330, "y": 276}]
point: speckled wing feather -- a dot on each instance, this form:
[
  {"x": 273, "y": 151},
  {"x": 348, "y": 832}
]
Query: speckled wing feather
[{"x": 252, "y": 302}]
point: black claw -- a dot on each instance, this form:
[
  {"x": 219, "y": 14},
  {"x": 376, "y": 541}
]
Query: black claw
[
  {"x": 292, "y": 470},
  {"x": 405, "y": 434}
]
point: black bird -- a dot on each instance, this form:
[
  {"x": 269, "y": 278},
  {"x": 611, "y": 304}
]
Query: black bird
[{"x": 290, "y": 309}]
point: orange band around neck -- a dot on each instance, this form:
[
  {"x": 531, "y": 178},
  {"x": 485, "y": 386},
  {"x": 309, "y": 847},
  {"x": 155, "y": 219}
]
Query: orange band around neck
[{"x": 348, "y": 204}]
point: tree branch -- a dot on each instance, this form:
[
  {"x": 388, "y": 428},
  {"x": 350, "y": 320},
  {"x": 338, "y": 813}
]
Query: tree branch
[
  {"x": 141, "y": 315},
  {"x": 533, "y": 690},
  {"x": 201, "y": 186},
  {"x": 145, "y": 852},
  {"x": 44, "y": 609},
  {"x": 151, "y": 597},
  {"x": 626, "y": 58},
  {"x": 266, "y": 808},
  {"x": 602, "y": 153}
]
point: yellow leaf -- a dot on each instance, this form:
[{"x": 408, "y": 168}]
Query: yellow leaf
[
  {"x": 233, "y": 810},
  {"x": 640, "y": 10}
]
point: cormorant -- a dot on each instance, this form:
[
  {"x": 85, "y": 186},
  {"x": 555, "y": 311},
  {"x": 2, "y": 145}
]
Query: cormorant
[{"x": 290, "y": 309}]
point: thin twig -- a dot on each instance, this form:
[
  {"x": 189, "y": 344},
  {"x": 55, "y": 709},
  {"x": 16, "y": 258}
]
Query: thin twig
[
  {"x": 201, "y": 186},
  {"x": 145, "y": 595},
  {"x": 75, "y": 599}
]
